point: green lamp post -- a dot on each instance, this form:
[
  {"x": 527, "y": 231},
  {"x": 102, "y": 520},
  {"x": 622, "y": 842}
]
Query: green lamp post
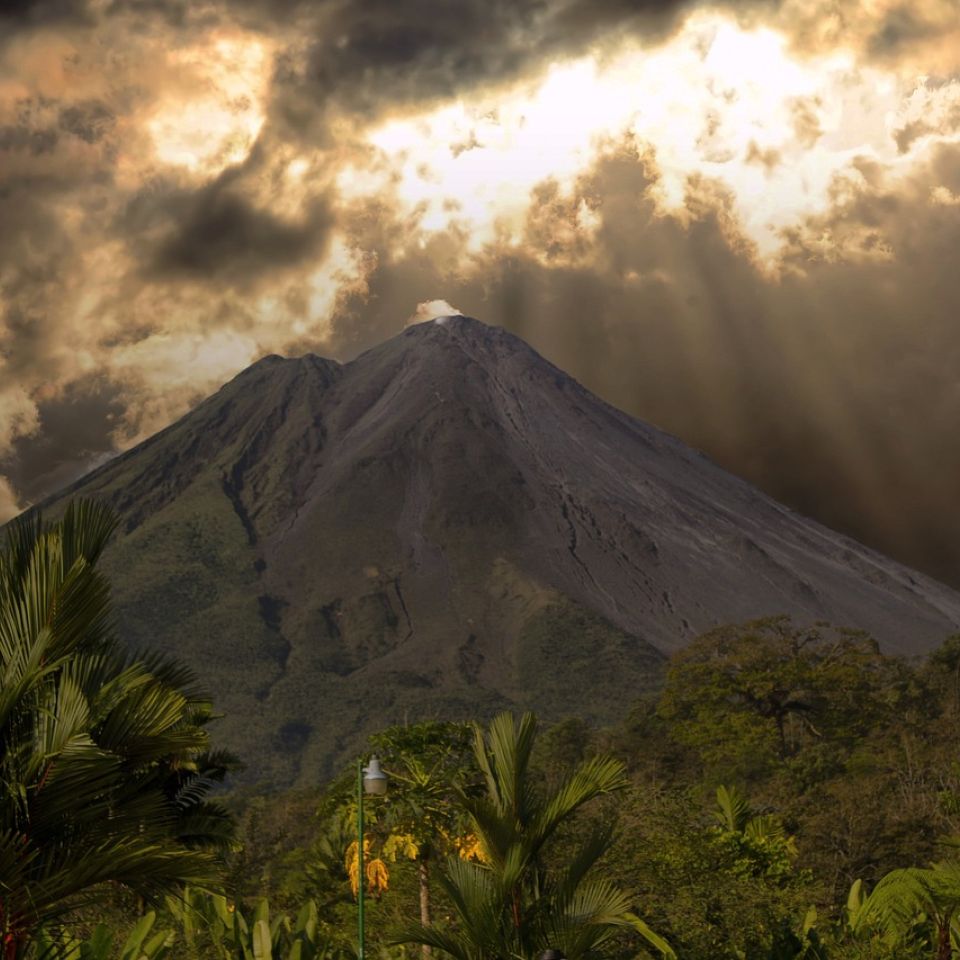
[{"x": 370, "y": 779}]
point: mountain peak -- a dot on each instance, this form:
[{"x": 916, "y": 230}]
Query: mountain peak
[
  {"x": 461, "y": 326},
  {"x": 453, "y": 319}
]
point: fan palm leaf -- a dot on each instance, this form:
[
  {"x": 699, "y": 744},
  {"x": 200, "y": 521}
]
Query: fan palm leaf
[
  {"x": 104, "y": 759},
  {"x": 513, "y": 906}
]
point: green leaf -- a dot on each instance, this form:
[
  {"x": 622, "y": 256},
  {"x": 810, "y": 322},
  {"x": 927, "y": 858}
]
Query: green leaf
[
  {"x": 307, "y": 921},
  {"x": 131, "y": 948},
  {"x": 158, "y": 945},
  {"x": 654, "y": 939},
  {"x": 262, "y": 944}
]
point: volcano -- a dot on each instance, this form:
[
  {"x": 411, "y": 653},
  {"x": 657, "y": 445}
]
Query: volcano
[{"x": 446, "y": 526}]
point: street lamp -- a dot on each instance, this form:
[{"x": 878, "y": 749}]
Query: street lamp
[{"x": 370, "y": 779}]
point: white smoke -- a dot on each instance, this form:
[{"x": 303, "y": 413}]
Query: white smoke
[{"x": 432, "y": 310}]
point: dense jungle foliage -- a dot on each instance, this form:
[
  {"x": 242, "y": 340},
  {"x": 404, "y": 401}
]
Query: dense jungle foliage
[{"x": 791, "y": 792}]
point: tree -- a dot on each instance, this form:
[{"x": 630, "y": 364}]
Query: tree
[
  {"x": 758, "y": 843},
  {"x": 426, "y": 763},
  {"x": 860, "y": 937},
  {"x": 718, "y": 881},
  {"x": 104, "y": 759},
  {"x": 516, "y": 903},
  {"x": 944, "y": 664},
  {"x": 916, "y": 897},
  {"x": 757, "y": 695}
]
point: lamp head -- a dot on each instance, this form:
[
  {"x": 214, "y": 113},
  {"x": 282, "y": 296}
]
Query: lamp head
[{"x": 374, "y": 779}]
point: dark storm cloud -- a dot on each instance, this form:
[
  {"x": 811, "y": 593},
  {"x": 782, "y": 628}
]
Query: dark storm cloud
[
  {"x": 40, "y": 177},
  {"x": 36, "y": 254},
  {"x": 90, "y": 120},
  {"x": 76, "y": 430},
  {"x": 21, "y": 138},
  {"x": 34, "y": 131},
  {"x": 382, "y": 51},
  {"x": 172, "y": 13},
  {"x": 217, "y": 233},
  {"x": 377, "y": 50},
  {"x": 223, "y": 235},
  {"x": 368, "y": 52},
  {"x": 24, "y": 14},
  {"x": 573, "y": 22},
  {"x": 366, "y": 57},
  {"x": 901, "y": 27}
]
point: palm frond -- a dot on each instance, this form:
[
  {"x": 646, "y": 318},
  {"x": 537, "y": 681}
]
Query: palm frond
[
  {"x": 902, "y": 895},
  {"x": 734, "y": 810},
  {"x": 104, "y": 761},
  {"x": 514, "y": 905},
  {"x": 593, "y": 777},
  {"x": 584, "y": 859},
  {"x": 85, "y": 530}
]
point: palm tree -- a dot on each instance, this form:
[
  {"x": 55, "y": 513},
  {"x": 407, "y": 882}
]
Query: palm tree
[
  {"x": 907, "y": 898},
  {"x": 513, "y": 904},
  {"x": 759, "y": 842},
  {"x": 104, "y": 758}
]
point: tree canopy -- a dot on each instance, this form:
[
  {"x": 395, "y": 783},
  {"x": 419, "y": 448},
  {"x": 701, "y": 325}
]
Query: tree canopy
[{"x": 750, "y": 696}]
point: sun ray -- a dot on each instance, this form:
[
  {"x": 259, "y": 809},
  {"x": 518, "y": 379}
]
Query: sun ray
[{"x": 718, "y": 103}]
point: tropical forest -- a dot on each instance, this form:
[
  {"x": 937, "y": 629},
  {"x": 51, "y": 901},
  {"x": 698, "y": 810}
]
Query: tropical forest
[{"x": 788, "y": 792}]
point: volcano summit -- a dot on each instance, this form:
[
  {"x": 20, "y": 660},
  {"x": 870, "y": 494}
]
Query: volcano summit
[{"x": 449, "y": 525}]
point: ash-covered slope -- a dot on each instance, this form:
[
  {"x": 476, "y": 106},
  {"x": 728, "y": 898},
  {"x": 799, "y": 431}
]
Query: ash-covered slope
[{"x": 445, "y": 526}]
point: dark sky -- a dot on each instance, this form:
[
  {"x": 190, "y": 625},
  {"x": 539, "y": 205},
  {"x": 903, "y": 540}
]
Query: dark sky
[{"x": 738, "y": 221}]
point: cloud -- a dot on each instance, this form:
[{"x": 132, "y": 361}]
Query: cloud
[
  {"x": 905, "y": 30},
  {"x": 90, "y": 120},
  {"x": 371, "y": 54},
  {"x": 9, "y": 504},
  {"x": 217, "y": 234},
  {"x": 725, "y": 249},
  {"x": 913, "y": 38},
  {"x": 124, "y": 255},
  {"x": 18, "y": 15},
  {"x": 19, "y": 419},
  {"x": 18, "y": 415},
  {"x": 430, "y": 310},
  {"x": 69, "y": 431},
  {"x": 381, "y": 58}
]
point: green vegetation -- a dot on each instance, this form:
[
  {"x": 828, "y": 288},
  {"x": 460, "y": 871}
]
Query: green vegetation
[
  {"x": 790, "y": 793},
  {"x": 427, "y": 761},
  {"x": 104, "y": 758},
  {"x": 514, "y": 902},
  {"x": 144, "y": 942},
  {"x": 751, "y": 699}
]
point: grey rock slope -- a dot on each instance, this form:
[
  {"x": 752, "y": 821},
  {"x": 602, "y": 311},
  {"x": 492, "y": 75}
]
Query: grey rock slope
[{"x": 448, "y": 525}]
